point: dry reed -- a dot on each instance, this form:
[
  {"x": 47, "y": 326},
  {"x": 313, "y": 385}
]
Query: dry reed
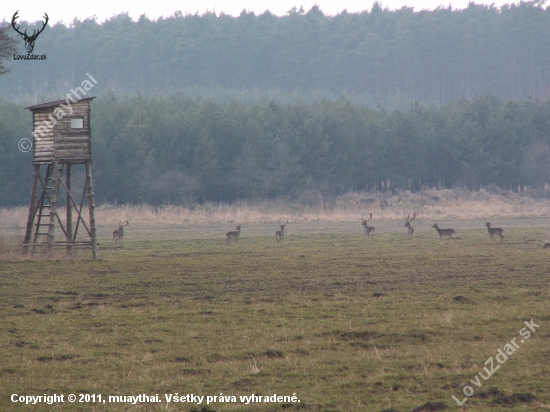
[{"x": 431, "y": 204}]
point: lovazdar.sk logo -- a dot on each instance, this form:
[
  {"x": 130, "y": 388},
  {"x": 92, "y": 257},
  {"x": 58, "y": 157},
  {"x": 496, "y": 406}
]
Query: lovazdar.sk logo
[{"x": 29, "y": 39}]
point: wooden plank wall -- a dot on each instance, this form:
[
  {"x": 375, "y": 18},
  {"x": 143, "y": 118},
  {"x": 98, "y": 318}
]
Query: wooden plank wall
[
  {"x": 62, "y": 143},
  {"x": 43, "y": 148}
]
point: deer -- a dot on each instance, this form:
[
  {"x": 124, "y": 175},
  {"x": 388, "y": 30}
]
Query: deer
[
  {"x": 445, "y": 232},
  {"x": 280, "y": 234},
  {"x": 119, "y": 233},
  {"x": 495, "y": 231},
  {"x": 369, "y": 230},
  {"x": 547, "y": 242},
  {"x": 29, "y": 40},
  {"x": 409, "y": 227},
  {"x": 233, "y": 235}
]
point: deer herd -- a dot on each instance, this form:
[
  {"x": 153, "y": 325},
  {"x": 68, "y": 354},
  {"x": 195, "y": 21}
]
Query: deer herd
[
  {"x": 118, "y": 234},
  {"x": 369, "y": 231},
  {"x": 450, "y": 233}
]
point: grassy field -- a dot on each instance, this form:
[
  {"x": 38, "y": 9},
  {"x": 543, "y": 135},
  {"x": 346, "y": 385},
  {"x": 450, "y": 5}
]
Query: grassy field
[{"x": 344, "y": 324}]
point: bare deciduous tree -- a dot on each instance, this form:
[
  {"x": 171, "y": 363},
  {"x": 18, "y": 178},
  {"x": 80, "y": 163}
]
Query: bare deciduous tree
[
  {"x": 160, "y": 186},
  {"x": 8, "y": 46},
  {"x": 536, "y": 164}
]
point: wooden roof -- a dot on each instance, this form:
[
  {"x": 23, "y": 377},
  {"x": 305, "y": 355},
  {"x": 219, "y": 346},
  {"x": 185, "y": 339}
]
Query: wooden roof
[{"x": 54, "y": 104}]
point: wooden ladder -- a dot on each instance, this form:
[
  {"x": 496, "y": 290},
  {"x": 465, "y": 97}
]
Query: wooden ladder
[{"x": 47, "y": 208}]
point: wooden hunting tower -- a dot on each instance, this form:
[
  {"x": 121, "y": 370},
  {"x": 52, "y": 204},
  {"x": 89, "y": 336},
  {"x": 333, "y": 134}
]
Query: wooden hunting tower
[{"x": 61, "y": 131}]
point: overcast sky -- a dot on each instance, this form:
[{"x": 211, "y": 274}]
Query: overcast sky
[{"x": 66, "y": 11}]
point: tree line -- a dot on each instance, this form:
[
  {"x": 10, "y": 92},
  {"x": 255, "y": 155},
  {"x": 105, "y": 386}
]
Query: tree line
[
  {"x": 431, "y": 56},
  {"x": 183, "y": 150}
]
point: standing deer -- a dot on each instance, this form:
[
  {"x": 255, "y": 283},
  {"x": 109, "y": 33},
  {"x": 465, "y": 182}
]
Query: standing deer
[
  {"x": 119, "y": 233},
  {"x": 369, "y": 230},
  {"x": 29, "y": 40},
  {"x": 546, "y": 243},
  {"x": 280, "y": 234},
  {"x": 445, "y": 232},
  {"x": 495, "y": 231},
  {"x": 233, "y": 235},
  {"x": 409, "y": 227}
]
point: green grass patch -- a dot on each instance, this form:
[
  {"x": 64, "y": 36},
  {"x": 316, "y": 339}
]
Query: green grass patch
[{"x": 346, "y": 325}]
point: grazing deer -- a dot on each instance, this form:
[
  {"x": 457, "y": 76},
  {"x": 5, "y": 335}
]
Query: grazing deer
[
  {"x": 280, "y": 234},
  {"x": 495, "y": 231},
  {"x": 119, "y": 233},
  {"x": 409, "y": 227},
  {"x": 445, "y": 232},
  {"x": 233, "y": 235},
  {"x": 369, "y": 230}
]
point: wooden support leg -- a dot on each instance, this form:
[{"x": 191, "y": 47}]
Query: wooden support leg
[
  {"x": 91, "y": 206},
  {"x": 69, "y": 211},
  {"x": 32, "y": 208},
  {"x": 53, "y": 210}
]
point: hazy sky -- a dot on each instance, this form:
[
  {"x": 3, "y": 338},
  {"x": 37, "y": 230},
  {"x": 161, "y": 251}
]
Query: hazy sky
[{"x": 65, "y": 11}]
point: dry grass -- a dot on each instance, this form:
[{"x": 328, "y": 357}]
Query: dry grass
[
  {"x": 429, "y": 204},
  {"x": 10, "y": 248},
  {"x": 449, "y": 208}
]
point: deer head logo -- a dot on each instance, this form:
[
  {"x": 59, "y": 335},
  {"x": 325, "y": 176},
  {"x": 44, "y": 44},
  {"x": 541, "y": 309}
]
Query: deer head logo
[{"x": 29, "y": 40}]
